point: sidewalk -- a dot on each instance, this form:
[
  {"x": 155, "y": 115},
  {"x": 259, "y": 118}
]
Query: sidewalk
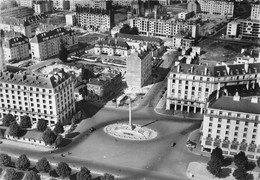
[
  {"x": 198, "y": 171},
  {"x": 161, "y": 109}
]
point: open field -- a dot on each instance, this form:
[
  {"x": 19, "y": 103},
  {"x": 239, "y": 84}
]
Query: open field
[{"x": 221, "y": 51}]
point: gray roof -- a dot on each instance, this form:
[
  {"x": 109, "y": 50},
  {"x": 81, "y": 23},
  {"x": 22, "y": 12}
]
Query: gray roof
[
  {"x": 218, "y": 71},
  {"x": 51, "y": 34},
  {"x": 140, "y": 38},
  {"x": 13, "y": 39},
  {"x": 22, "y": 78},
  {"x": 243, "y": 105},
  {"x": 113, "y": 42}
]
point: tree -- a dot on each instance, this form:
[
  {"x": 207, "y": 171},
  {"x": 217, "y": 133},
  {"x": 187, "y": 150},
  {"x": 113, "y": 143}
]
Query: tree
[
  {"x": 5, "y": 160},
  {"x": 10, "y": 174},
  {"x": 42, "y": 125},
  {"x": 58, "y": 129},
  {"x": 49, "y": 136},
  {"x": 83, "y": 174},
  {"x": 32, "y": 175},
  {"x": 43, "y": 165},
  {"x": 108, "y": 177},
  {"x": 25, "y": 122},
  {"x": 64, "y": 53},
  {"x": 134, "y": 31},
  {"x": 125, "y": 29},
  {"x": 240, "y": 173},
  {"x": 58, "y": 141},
  {"x": 63, "y": 170},
  {"x": 14, "y": 129},
  {"x": 240, "y": 160},
  {"x": 217, "y": 153},
  {"x": 2, "y": 33},
  {"x": 214, "y": 167},
  {"x": 7, "y": 119},
  {"x": 258, "y": 162},
  {"x": 23, "y": 162}
]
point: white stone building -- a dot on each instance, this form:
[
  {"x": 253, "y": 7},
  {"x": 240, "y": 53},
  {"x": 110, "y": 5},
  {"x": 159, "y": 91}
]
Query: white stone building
[
  {"x": 255, "y": 11},
  {"x": 47, "y": 44},
  {"x": 15, "y": 46},
  {"x": 217, "y": 7},
  {"x": 189, "y": 85},
  {"x": 40, "y": 97},
  {"x": 162, "y": 28},
  {"x": 232, "y": 123}
]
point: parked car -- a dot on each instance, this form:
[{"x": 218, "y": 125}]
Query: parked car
[
  {"x": 173, "y": 144},
  {"x": 92, "y": 129}
]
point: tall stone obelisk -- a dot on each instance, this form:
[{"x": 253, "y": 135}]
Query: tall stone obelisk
[
  {"x": 130, "y": 113},
  {"x": 2, "y": 56}
]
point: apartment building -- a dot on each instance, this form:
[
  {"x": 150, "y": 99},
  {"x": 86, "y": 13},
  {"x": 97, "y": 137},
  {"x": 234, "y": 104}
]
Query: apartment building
[
  {"x": 94, "y": 18},
  {"x": 61, "y": 4},
  {"x": 129, "y": 38},
  {"x": 255, "y": 11},
  {"x": 217, "y": 7},
  {"x": 26, "y": 26},
  {"x": 138, "y": 67},
  {"x": 47, "y": 44},
  {"x": 40, "y": 97},
  {"x": 15, "y": 46},
  {"x": 41, "y": 7},
  {"x": 189, "y": 85},
  {"x": 243, "y": 29},
  {"x": 183, "y": 40},
  {"x": 45, "y": 27},
  {"x": 112, "y": 47},
  {"x": 231, "y": 122},
  {"x": 95, "y": 4},
  {"x": 18, "y": 12},
  {"x": 162, "y": 28},
  {"x": 248, "y": 56}
]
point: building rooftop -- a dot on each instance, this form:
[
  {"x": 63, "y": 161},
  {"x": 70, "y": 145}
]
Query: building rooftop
[
  {"x": 13, "y": 39},
  {"x": 90, "y": 10},
  {"x": 51, "y": 34},
  {"x": 113, "y": 42},
  {"x": 244, "y": 105},
  {"x": 140, "y": 38},
  {"x": 217, "y": 71},
  {"x": 22, "y": 78}
]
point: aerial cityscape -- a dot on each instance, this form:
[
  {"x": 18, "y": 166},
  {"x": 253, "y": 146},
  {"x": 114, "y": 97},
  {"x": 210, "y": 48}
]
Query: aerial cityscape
[{"x": 129, "y": 89}]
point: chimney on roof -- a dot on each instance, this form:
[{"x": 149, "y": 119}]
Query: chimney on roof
[
  {"x": 236, "y": 97},
  {"x": 206, "y": 71},
  {"x": 217, "y": 96},
  {"x": 254, "y": 99},
  {"x": 178, "y": 68},
  {"x": 24, "y": 77},
  {"x": 246, "y": 67},
  {"x": 228, "y": 69}
]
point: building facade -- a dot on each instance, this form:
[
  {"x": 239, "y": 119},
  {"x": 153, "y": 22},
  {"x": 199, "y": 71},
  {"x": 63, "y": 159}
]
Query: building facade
[
  {"x": 100, "y": 19},
  {"x": 244, "y": 29},
  {"x": 255, "y": 11},
  {"x": 40, "y": 97},
  {"x": 112, "y": 47},
  {"x": 26, "y": 26},
  {"x": 47, "y": 44},
  {"x": 189, "y": 85},
  {"x": 99, "y": 4},
  {"x": 15, "y": 46},
  {"x": 43, "y": 7},
  {"x": 217, "y": 7},
  {"x": 61, "y": 4},
  {"x": 232, "y": 123},
  {"x": 138, "y": 68},
  {"x": 162, "y": 28}
]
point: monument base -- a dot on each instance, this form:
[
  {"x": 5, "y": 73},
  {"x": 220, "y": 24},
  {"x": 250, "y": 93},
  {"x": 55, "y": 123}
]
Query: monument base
[{"x": 125, "y": 131}]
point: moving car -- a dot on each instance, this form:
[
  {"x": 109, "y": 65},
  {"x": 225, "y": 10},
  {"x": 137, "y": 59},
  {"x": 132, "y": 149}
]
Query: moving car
[
  {"x": 92, "y": 129},
  {"x": 173, "y": 144}
]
